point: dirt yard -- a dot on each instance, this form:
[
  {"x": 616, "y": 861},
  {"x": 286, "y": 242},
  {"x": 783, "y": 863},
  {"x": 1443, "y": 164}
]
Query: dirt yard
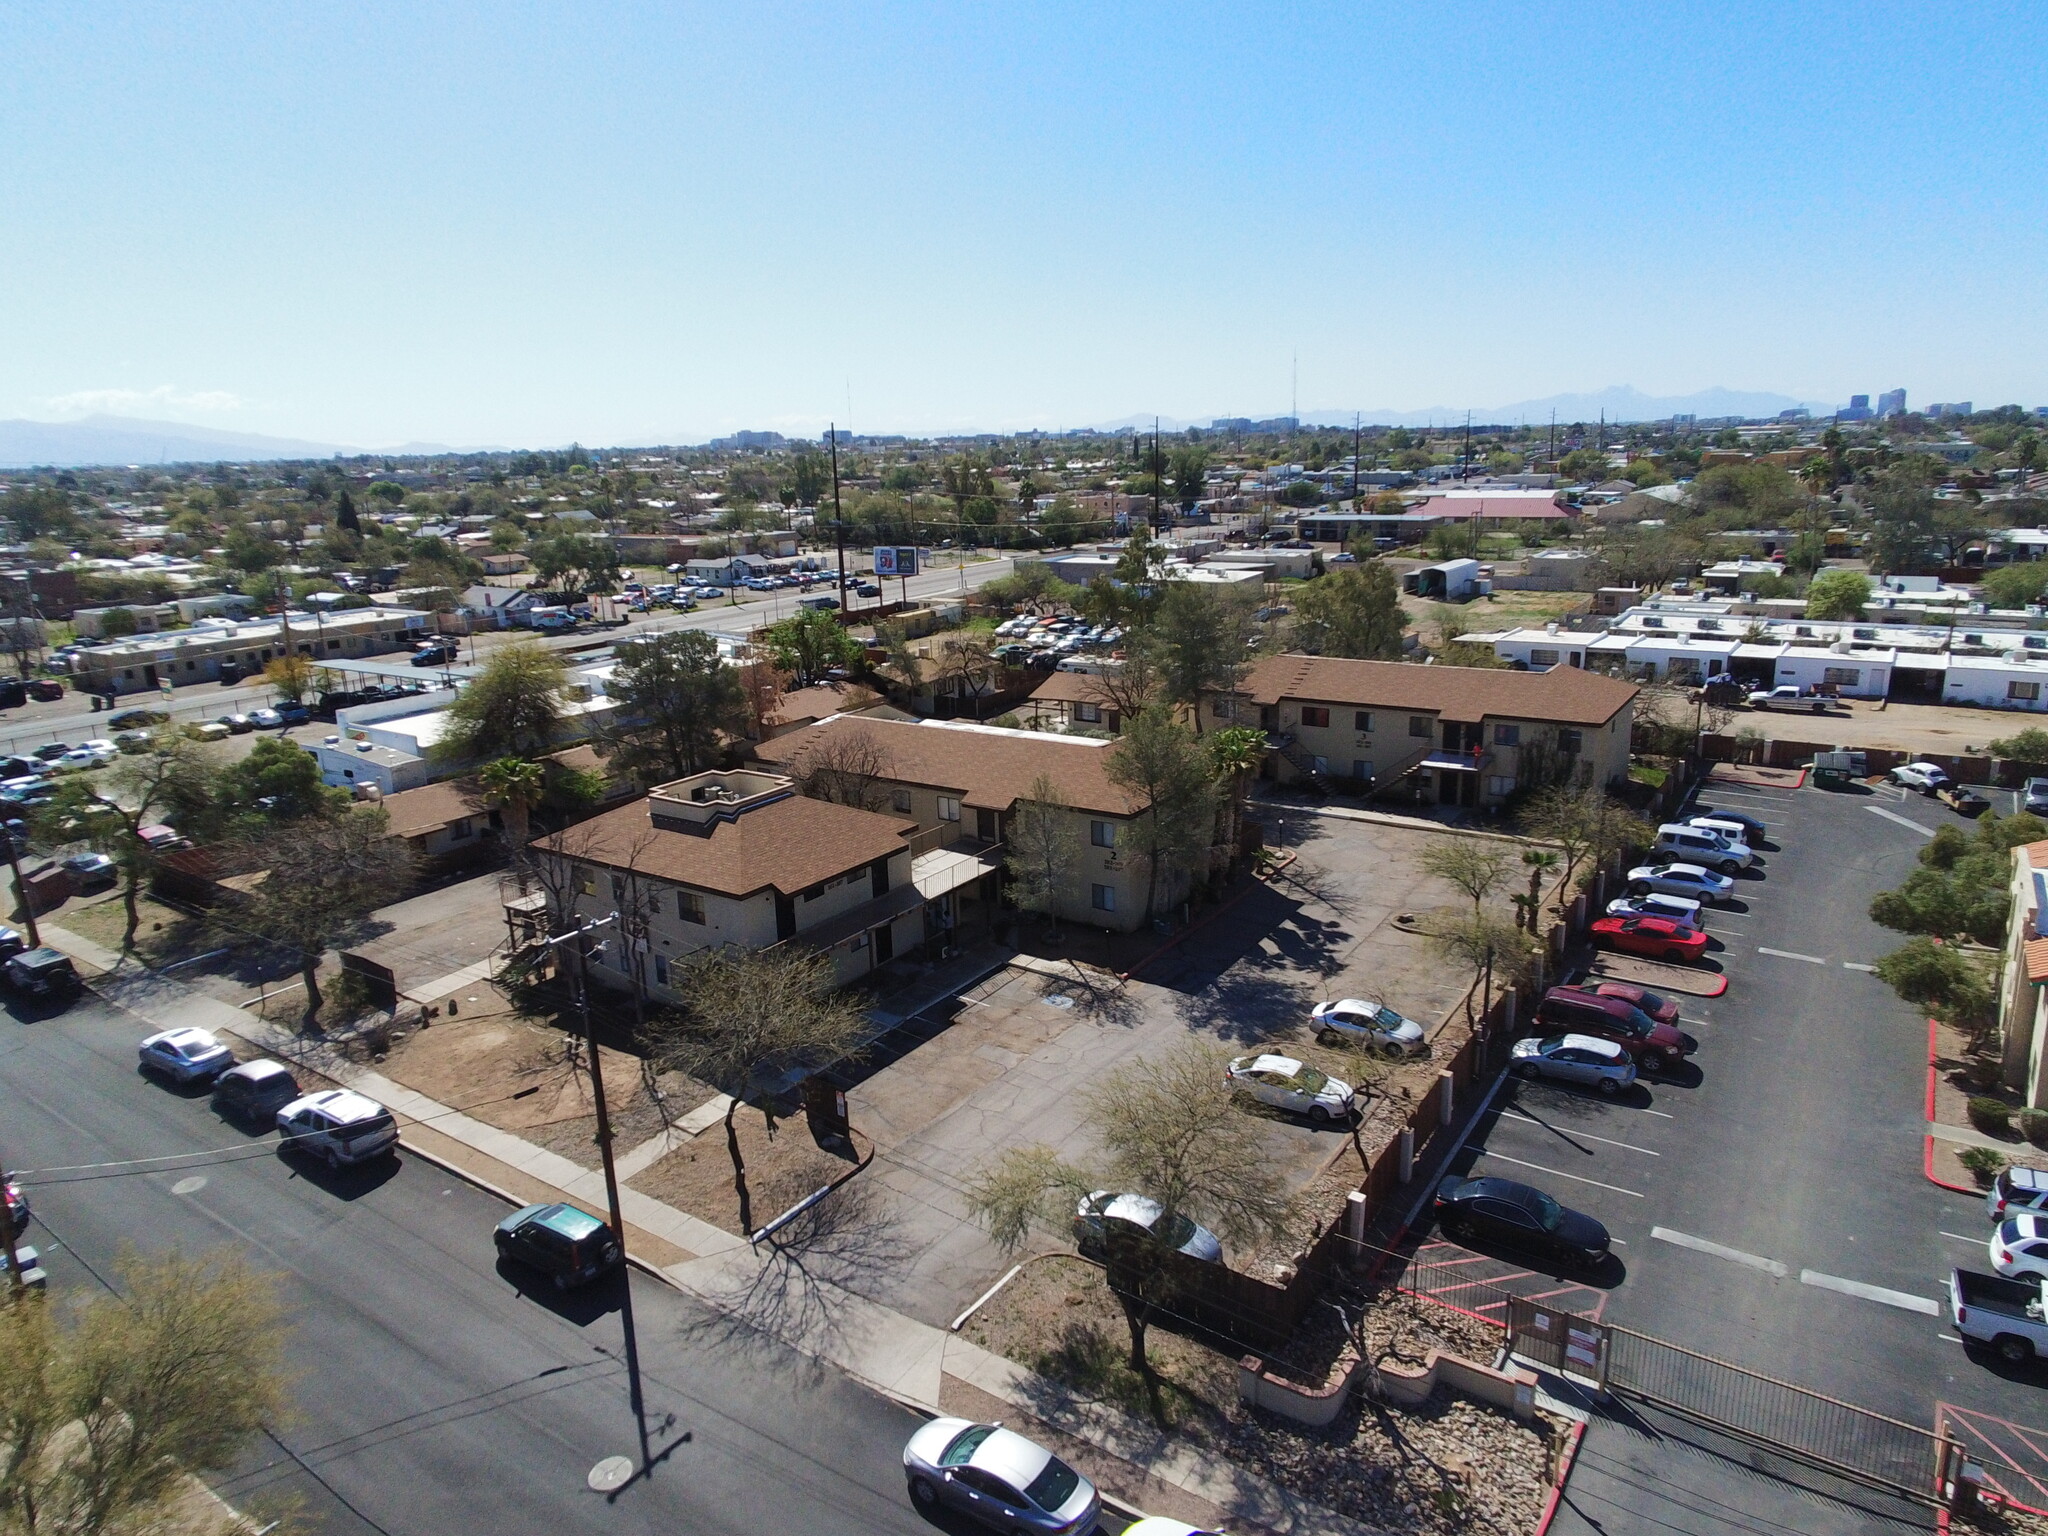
[
  {"x": 1451, "y": 1466},
  {"x": 781, "y": 1169}
]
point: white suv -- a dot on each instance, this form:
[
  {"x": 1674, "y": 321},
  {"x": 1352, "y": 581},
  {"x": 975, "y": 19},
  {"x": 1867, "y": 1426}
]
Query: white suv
[
  {"x": 338, "y": 1126},
  {"x": 1696, "y": 845}
]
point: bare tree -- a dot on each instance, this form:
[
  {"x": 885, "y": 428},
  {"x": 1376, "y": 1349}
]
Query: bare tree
[
  {"x": 323, "y": 876},
  {"x": 1585, "y": 824},
  {"x": 968, "y": 662},
  {"x": 1129, "y": 688},
  {"x": 1171, "y": 1130},
  {"x": 101, "y": 1423},
  {"x": 753, "y": 1017},
  {"x": 1474, "y": 867},
  {"x": 1490, "y": 946},
  {"x": 1044, "y": 849},
  {"x": 847, "y": 766}
]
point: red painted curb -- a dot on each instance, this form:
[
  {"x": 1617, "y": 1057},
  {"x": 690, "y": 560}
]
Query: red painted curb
[
  {"x": 1927, "y": 1158},
  {"x": 1571, "y": 1453}
]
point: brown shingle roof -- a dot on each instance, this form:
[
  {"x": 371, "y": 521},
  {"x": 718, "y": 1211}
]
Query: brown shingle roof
[
  {"x": 788, "y": 844},
  {"x": 801, "y": 705},
  {"x": 1565, "y": 695},
  {"x": 417, "y": 812},
  {"x": 2037, "y": 855},
  {"x": 985, "y": 767},
  {"x": 2036, "y": 953},
  {"x": 1069, "y": 688}
]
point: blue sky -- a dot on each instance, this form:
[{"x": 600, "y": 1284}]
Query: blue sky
[{"x": 530, "y": 223}]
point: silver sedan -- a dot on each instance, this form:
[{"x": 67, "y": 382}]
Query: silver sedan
[
  {"x": 1583, "y": 1059},
  {"x": 996, "y": 1476}
]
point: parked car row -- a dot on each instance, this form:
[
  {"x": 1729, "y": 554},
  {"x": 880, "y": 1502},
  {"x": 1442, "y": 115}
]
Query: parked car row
[{"x": 2005, "y": 1308}]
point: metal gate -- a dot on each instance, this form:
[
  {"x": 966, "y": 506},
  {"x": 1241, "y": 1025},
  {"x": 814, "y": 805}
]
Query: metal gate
[
  {"x": 1795, "y": 1421},
  {"x": 1558, "y": 1340}
]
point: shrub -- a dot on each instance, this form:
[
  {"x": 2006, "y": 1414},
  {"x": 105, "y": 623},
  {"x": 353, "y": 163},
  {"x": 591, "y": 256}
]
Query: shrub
[
  {"x": 1983, "y": 1163},
  {"x": 2033, "y": 1124},
  {"x": 1991, "y": 1116}
]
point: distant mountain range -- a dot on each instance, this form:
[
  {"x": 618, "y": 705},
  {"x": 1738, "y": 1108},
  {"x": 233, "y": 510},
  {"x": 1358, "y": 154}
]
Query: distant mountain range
[{"x": 126, "y": 440}]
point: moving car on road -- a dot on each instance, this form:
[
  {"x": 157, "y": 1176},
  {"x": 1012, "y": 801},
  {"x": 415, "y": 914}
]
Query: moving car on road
[
  {"x": 1925, "y": 777},
  {"x": 1657, "y": 938},
  {"x": 1671, "y": 878},
  {"x": 996, "y": 1476},
  {"x": 339, "y": 1126},
  {"x": 1099, "y": 1212},
  {"x": 569, "y": 1246},
  {"x": 185, "y": 1055},
  {"x": 1503, "y": 1211},
  {"x": 1582, "y": 1059},
  {"x": 1288, "y": 1084},
  {"x": 1367, "y": 1021}
]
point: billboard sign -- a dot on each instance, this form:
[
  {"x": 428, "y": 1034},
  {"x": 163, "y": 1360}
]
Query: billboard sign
[
  {"x": 885, "y": 560},
  {"x": 896, "y": 561}
]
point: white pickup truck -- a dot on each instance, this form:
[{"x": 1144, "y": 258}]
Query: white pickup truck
[
  {"x": 2006, "y": 1314},
  {"x": 1789, "y": 696}
]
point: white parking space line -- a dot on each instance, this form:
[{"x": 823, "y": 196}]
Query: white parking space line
[
  {"x": 1790, "y": 954},
  {"x": 1858, "y": 965},
  {"x": 1979, "y": 1241},
  {"x": 1575, "y": 1178},
  {"x": 1911, "y": 826},
  {"x": 1948, "y": 1338},
  {"x": 1733, "y": 1255},
  {"x": 1576, "y": 1135},
  {"x": 1877, "y": 1293}
]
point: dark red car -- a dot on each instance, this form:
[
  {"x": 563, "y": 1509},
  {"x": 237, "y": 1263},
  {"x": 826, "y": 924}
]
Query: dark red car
[
  {"x": 1659, "y": 1007},
  {"x": 1577, "y": 1011},
  {"x": 1656, "y": 938}
]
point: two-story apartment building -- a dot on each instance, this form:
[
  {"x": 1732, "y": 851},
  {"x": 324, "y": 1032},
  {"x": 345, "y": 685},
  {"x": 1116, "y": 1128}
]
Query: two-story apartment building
[
  {"x": 963, "y": 784},
  {"x": 736, "y": 858},
  {"x": 1468, "y": 736}
]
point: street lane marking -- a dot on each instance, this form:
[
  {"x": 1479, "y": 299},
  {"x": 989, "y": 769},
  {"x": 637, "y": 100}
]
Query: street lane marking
[
  {"x": 1858, "y": 965},
  {"x": 1877, "y": 1293},
  {"x": 1575, "y": 1178},
  {"x": 1911, "y": 826},
  {"x": 1790, "y": 954},
  {"x": 1733, "y": 1255},
  {"x": 1509, "y": 1114}
]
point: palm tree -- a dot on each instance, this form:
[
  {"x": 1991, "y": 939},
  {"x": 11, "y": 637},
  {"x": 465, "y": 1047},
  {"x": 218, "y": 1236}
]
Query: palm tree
[
  {"x": 1235, "y": 755},
  {"x": 515, "y": 784},
  {"x": 1541, "y": 862}
]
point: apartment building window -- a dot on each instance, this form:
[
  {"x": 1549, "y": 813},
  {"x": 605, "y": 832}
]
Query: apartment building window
[
  {"x": 689, "y": 906},
  {"x": 2028, "y": 693},
  {"x": 1842, "y": 677},
  {"x": 619, "y": 889},
  {"x": 899, "y": 801},
  {"x": 1421, "y": 725},
  {"x": 1570, "y": 741},
  {"x": 949, "y": 808},
  {"x": 1499, "y": 785},
  {"x": 1226, "y": 708},
  {"x": 1507, "y": 735},
  {"x": 1103, "y": 897},
  {"x": 1314, "y": 714},
  {"x": 586, "y": 880},
  {"x": 1088, "y": 713},
  {"x": 661, "y": 970},
  {"x": 1362, "y": 721},
  {"x": 1361, "y": 768},
  {"x": 1102, "y": 833}
]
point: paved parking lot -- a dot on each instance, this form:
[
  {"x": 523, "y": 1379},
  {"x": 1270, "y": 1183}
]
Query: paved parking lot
[{"x": 1772, "y": 1210}]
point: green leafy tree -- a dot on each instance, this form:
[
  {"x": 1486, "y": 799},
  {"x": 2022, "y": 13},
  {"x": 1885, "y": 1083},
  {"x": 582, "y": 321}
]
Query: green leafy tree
[
  {"x": 1903, "y": 531},
  {"x": 678, "y": 703},
  {"x": 1199, "y": 640},
  {"x": 1955, "y": 985},
  {"x": 1353, "y": 611},
  {"x": 386, "y": 491},
  {"x": 1235, "y": 754},
  {"x": 1162, "y": 768},
  {"x": 1837, "y": 595},
  {"x": 810, "y": 644},
  {"x": 2027, "y": 746},
  {"x": 1190, "y": 468},
  {"x": 278, "y": 781},
  {"x": 2016, "y": 586},
  {"x": 575, "y": 564},
  {"x": 1170, "y": 1129},
  {"x": 1960, "y": 889},
  {"x": 106, "y": 1419},
  {"x": 509, "y": 709}
]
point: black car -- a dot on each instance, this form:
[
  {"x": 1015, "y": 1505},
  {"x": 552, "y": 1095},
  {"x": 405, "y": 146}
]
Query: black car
[
  {"x": 43, "y": 973},
  {"x": 433, "y": 655},
  {"x": 567, "y": 1245},
  {"x": 1502, "y": 1211}
]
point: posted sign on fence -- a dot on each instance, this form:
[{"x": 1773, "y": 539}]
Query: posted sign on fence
[{"x": 1561, "y": 1340}]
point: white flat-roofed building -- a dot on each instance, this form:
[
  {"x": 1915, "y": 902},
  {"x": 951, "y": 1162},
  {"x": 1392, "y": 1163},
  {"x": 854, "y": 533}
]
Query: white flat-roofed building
[{"x": 2010, "y": 680}]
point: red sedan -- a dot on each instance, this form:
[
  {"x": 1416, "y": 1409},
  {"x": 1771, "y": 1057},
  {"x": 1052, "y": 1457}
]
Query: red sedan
[
  {"x": 1659, "y": 1007},
  {"x": 1657, "y": 938}
]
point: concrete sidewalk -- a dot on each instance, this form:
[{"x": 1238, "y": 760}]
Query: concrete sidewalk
[{"x": 761, "y": 1290}]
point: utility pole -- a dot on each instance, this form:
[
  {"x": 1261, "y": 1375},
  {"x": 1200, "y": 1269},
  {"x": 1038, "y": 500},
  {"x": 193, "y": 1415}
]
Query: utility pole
[
  {"x": 1465, "y": 469},
  {"x": 1357, "y": 448},
  {"x": 1158, "y": 473},
  {"x": 838, "y": 519},
  {"x": 28, "y": 906}
]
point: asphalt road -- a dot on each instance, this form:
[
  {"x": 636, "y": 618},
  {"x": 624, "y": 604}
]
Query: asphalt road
[
  {"x": 435, "y": 1393},
  {"x": 1769, "y": 1201}
]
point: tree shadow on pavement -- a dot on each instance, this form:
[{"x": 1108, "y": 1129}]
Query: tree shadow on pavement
[{"x": 1246, "y": 1005}]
